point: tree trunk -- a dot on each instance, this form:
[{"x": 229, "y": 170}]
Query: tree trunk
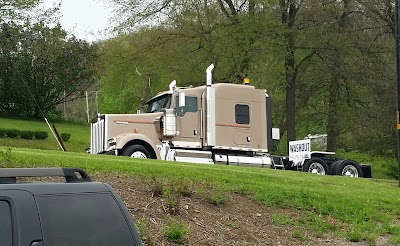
[
  {"x": 289, "y": 10},
  {"x": 290, "y": 75},
  {"x": 333, "y": 112},
  {"x": 334, "y": 87}
]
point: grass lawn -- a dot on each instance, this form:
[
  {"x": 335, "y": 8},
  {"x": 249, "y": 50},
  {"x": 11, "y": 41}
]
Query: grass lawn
[
  {"x": 354, "y": 208},
  {"x": 361, "y": 208},
  {"x": 79, "y": 141}
]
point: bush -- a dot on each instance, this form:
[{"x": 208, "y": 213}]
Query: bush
[
  {"x": 6, "y": 159},
  {"x": 213, "y": 194},
  {"x": 175, "y": 230},
  {"x": 12, "y": 133},
  {"x": 2, "y": 133},
  {"x": 65, "y": 136},
  {"x": 41, "y": 135},
  {"x": 27, "y": 134},
  {"x": 392, "y": 169}
]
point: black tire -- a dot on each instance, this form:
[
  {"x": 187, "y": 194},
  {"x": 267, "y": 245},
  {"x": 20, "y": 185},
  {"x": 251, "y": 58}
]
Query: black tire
[
  {"x": 136, "y": 151},
  {"x": 347, "y": 168},
  {"x": 333, "y": 167},
  {"x": 316, "y": 165}
]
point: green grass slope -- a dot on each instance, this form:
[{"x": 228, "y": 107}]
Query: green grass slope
[
  {"x": 354, "y": 208},
  {"x": 79, "y": 141},
  {"x": 359, "y": 209}
]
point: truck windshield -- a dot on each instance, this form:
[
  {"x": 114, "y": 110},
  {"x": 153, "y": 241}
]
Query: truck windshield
[{"x": 159, "y": 103}]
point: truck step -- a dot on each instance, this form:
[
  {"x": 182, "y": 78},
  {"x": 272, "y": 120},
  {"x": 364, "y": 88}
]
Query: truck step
[{"x": 278, "y": 162}]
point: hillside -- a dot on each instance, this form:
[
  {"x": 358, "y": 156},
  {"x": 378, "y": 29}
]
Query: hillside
[
  {"x": 79, "y": 141},
  {"x": 281, "y": 207},
  {"x": 226, "y": 205},
  {"x": 239, "y": 221}
]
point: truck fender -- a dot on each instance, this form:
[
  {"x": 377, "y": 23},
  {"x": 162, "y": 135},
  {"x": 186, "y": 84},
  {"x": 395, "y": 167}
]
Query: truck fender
[{"x": 123, "y": 141}]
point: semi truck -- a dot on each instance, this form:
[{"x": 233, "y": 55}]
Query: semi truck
[{"x": 221, "y": 123}]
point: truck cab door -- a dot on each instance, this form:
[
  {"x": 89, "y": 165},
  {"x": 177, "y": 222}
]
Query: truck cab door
[{"x": 188, "y": 122}]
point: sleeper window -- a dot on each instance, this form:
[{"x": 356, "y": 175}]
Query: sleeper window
[{"x": 242, "y": 114}]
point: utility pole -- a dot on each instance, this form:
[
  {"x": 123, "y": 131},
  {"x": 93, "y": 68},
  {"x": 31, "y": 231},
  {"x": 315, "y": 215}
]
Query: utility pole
[
  {"x": 87, "y": 107},
  {"x": 65, "y": 109},
  {"x": 398, "y": 82}
]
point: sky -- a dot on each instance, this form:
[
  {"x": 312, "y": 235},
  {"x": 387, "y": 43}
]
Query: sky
[{"x": 86, "y": 19}]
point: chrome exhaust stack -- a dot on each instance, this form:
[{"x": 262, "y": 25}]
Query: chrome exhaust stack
[{"x": 210, "y": 95}]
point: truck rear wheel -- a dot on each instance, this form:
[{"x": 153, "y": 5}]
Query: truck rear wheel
[
  {"x": 315, "y": 165},
  {"x": 347, "y": 168},
  {"x": 136, "y": 151}
]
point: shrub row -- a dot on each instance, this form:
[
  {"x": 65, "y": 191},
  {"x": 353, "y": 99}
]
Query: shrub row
[{"x": 14, "y": 133}]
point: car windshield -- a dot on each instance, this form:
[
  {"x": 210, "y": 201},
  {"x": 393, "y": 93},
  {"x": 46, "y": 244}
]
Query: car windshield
[{"x": 159, "y": 103}]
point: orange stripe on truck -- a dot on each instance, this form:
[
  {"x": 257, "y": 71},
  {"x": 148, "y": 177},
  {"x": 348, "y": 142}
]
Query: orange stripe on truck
[{"x": 233, "y": 125}]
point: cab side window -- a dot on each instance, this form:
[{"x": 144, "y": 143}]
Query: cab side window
[
  {"x": 242, "y": 114},
  {"x": 190, "y": 105},
  {"x": 6, "y": 224}
]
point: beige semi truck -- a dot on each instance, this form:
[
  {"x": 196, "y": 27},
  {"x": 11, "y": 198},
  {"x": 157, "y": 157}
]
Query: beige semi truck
[{"x": 222, "y": 123}]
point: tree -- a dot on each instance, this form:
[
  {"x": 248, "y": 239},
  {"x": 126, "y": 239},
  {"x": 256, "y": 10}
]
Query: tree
[
  {"x": 39, "y": 65},
  {"x": 382, "y": 13},
  {"x": 289, "y": 10},
  {"x": 13, "y": 10},
  {"x": 338, "y": 78},
  {"x": 350, "y": 73},
  {"x": 230, "y": 34},
  {"x": 325, "y": 64}
]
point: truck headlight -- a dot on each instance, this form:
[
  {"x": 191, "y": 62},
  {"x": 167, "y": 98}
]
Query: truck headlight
[{"x": 112, "y": 141}]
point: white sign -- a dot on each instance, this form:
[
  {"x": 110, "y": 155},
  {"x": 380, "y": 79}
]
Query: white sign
[{"x": 299, "y": 150}]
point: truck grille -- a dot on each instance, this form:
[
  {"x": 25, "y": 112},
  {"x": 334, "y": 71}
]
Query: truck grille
[{"x": 97, "y": 138}]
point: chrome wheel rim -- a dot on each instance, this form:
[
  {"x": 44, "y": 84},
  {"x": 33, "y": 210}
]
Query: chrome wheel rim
[
  {"x": 350, "y": 171},
  {"x": 316, "y": 168},
  {"x": 138, "y": 154}
]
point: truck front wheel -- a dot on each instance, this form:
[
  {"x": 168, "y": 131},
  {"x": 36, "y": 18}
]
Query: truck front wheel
[
  {"x": 315, "y": 165},
  {"x": 136, "y": 151}
]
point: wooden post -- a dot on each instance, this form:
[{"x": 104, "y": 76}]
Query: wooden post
[{"x": 59, "y": 138}]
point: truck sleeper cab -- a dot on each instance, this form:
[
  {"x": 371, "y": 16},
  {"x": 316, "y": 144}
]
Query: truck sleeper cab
[{"x": 216, "y": 123}]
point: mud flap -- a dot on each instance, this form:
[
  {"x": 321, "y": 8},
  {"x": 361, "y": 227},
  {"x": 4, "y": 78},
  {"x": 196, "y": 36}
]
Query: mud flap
[{"x": 366, "y": 170}]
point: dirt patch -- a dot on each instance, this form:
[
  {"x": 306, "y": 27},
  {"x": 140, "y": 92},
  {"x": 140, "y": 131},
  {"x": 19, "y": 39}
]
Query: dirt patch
[{"x": 238, "y": 221}]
